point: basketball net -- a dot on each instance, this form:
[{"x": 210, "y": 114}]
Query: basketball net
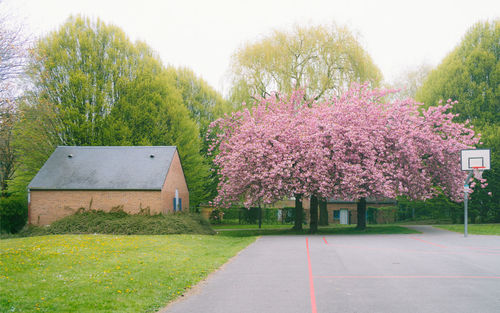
[{"x": 478, "y": 172}]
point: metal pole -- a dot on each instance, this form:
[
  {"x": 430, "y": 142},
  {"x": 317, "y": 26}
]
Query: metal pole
[
  {"x": 260, "y": 217},
  {"x": 466, "y": 198}
]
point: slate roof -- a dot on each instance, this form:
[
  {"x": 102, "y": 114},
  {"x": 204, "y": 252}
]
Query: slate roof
[{"x": 105, "y": 168}]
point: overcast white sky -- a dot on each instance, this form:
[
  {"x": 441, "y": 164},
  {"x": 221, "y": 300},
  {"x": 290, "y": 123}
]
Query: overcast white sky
[{"x": 203, "y": 34}]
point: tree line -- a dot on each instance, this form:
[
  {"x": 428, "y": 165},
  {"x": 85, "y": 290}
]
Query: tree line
[{"x": 86, "y": 83}]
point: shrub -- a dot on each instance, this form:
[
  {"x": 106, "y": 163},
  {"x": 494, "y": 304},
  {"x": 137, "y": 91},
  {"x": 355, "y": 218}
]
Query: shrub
[
  {"x": 13, "y": 214},
  {"x": 216, "y": 216},
  {"x": 289, "y": 214},
  {"x": 119, "y": 222},
  {"x": 270, "y": 216},
  {"x": 241, "y": 215},
  {"x": 249, "y": 216},
  {"x": 232, "y": 213},
  {"x": 382, "y": 215}
]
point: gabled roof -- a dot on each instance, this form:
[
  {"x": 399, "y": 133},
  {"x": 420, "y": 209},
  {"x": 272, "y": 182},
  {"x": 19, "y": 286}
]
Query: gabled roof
[{"x": 105, "y": 168}]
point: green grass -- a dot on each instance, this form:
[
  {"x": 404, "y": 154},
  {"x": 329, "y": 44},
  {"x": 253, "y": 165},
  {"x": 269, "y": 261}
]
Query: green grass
[
  {"x": 106, "y": 273},
  {"x": 475, "y": 229},
  {"x": 329, "y": 230},
  {"x": 427, "y": 221},
  {"x": 250, "y": 226}
]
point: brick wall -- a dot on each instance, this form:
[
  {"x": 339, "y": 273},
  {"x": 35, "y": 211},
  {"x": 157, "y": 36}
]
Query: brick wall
[
  {"x": 352, "y": 207},
  {"x": 47, "y": 206},
  {"x": 175, "y": 180}
]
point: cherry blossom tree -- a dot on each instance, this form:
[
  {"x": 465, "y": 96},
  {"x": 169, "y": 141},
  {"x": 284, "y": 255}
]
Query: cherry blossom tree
[
  {"x": 354, "y": 146},
  {"x": 393, "y": 148},
  {"x": 263, "y": 153}
]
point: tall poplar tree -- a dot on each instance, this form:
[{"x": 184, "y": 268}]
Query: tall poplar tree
[
  {"x": 205, "y": 105},
  {"x": 470, "y": 74}
]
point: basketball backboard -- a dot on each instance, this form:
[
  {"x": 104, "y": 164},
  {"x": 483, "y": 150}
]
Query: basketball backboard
[{"x": 475, "y": 159}]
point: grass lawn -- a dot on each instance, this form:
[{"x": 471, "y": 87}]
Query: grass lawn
[
  {"x": 475, "y": 229},
  {"x": 327, "y": 230},
  {"x": 250, "y": 226},
  {"x": 106, "y": 273}
]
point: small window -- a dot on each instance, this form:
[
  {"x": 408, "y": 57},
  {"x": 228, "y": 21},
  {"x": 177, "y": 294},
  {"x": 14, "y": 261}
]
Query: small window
[
  {"x": 336, "y": 214},
  {"x": 177, "y": 206}
]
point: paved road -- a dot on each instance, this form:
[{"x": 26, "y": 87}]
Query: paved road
[{"x": 437, "y": 271}]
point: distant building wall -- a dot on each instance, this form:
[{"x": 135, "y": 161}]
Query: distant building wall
[
  {"x": 351, "y": 207},
  {"x": 47, "y": 206},
  {"x": 331, "y": 207}
]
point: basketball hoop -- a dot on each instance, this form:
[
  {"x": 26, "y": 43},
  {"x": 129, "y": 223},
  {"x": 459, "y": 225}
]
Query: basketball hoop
[
  {"x": 478, "y": 172},
  {"x": 474, "y": 161}
]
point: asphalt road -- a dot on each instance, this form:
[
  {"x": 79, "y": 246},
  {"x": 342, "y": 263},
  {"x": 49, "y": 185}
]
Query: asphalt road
[{"x": 437, "y": 271}]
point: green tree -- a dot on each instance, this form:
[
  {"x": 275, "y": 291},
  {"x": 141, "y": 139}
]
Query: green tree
[
  {"x": 92, "y": 86},
  {"x": 324, "y": 60},
  {"x": 205, "y": 105},
  {"x": 36, "y": 135},
  {"x": 471, "y": 75},
  {"x": 83, "y": 68},
  {"x": 13, "y": 51},
  {"x": 485, "y": 202},
  {"x": 8, "y": 117}
]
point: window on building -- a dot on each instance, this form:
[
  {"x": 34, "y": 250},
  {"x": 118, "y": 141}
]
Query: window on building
[
  {"x": 336, "y": 215},
  {"x": 177, "y": 205}
]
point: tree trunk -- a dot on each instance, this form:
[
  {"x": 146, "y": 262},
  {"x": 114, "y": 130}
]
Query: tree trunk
[
  {"x": 323, "y": 213},
  {"x": 313, "y": 210},
  {"x": 260, "y": 217},
  {"x": 299, "y": 211},
  {"x": 361, "y": 214}
]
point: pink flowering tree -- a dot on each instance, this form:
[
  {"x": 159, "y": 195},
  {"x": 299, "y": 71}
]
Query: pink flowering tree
[
  {"x": 355, "y": 146},
  {"x": 267, "y": 152},
  {"x": 387, "y": 149}
]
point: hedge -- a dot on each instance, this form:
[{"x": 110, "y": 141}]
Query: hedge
[{"x": 13, "y": 214}]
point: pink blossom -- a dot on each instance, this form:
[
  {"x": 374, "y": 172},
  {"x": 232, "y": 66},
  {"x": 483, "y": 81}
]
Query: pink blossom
[{"x": 352, "y": 146}]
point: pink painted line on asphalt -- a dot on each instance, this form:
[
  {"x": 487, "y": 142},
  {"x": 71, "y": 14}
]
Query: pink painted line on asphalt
[
  {"x": 428, "y": 242},
  {"x": 311, "y": 280},
  {"x": 409, "y": 276},
  {"x": 325, "y": 240}
]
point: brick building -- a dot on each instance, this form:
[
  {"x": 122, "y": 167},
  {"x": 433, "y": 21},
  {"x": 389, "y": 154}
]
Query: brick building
[{"x": 131, "y": 178}]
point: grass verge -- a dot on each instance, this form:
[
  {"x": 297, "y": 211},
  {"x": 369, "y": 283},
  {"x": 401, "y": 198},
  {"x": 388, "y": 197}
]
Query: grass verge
[
  {"x": 106, "y": 273},
  {"x": 474, "y": 229},
  {"x": 329, "y": 230},
  {"x": 251, "y": 226}
]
